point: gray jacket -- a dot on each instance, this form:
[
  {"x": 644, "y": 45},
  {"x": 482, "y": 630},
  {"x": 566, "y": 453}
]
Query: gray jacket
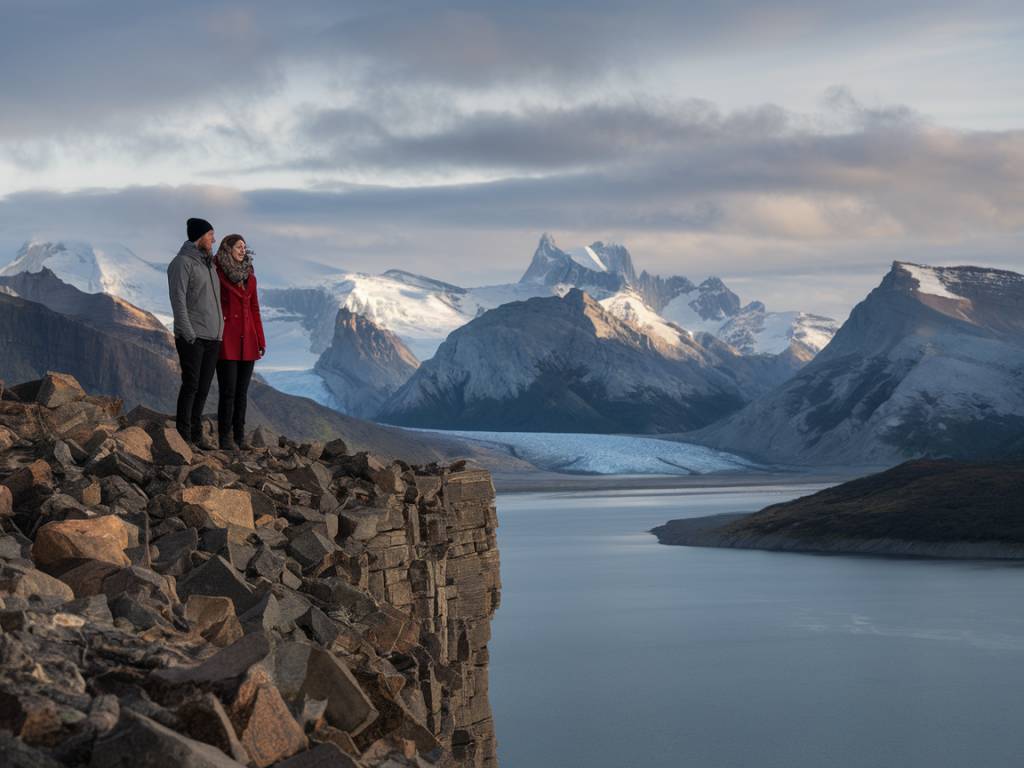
[{"x": 195, "y": 294}]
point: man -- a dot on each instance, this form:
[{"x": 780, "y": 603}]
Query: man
[{"x": 198, "y": 326}]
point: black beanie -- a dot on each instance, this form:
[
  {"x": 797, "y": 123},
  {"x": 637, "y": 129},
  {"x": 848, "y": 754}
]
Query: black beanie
[{"x": 197, "y": 228}]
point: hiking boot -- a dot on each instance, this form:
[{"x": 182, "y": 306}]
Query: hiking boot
[
  {"x": 226, "y": 443},
  {"x": 241, "y": 443}
]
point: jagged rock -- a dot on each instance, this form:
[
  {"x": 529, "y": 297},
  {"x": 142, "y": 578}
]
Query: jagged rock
[
  {"x": 57, "y": 389},
  {"x": 214, "y": 618},
  {"x": 6, "y": 501},
  {"x": 86, "y": 490},
  {"x": 21, "y": 581},
  {"x": 216, "y": 577},
  {"x": 266, "y": 564},
  {"x": 205, "y": 720},
  {"x": 225, "y": 668},
  {"x": 8, "y": 437},
  {"x": 334, "y": 449},
  {"x": 268, "y": 731},
  {"x": 305, "y": 670},
  {"x": 136, "y": 581},
  {"x": 223, "y": 505},
  {"x": 318, "y": 626},
  {"x": 119, "y": 463},
  {"x": 174, "y": 552},
  {"x": 314, "y": 478},
  {"x": 262, "y": 437},
  {"x": 169, "y": 447},
  {"x": 264, "y": 615},
  {"x": 94, "y": 608},
  {"x": 86, "y": 579},
  {"x": 35, "y": 478},
  {"x": 321, "y": 756},
  {"x": 335, "y": 592},
  {"x": 138, "y": 742},
  {"x": 310, "y": 547},
  {"x": 393, "y": 589},
  {"x": 100, "y": 538},
  {"x": 135, "y": 441},
  {"x": 62, "y": 454}
]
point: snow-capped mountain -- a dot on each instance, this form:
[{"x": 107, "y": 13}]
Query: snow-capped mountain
[
  {"x": 931, "y": 363},
  {"x": 98, "y": 268},
  {"x": 300, "y": 321},
  {"x": 364, "y": 364},
  {"x": 551, "y": 364}
]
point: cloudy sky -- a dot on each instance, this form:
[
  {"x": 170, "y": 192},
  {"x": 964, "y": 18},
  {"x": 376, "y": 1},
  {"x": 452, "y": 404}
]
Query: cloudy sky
[{"x": 794, "y": 148}]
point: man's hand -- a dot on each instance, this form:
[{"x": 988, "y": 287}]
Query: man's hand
[{"x": 262, "y": 352}]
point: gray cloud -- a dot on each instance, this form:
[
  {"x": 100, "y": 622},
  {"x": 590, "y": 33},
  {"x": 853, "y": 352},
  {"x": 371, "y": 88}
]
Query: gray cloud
[{"x": 84, "y": 67}]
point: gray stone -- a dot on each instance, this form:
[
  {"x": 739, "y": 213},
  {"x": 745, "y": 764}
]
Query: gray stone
[{"x": 138, "y": 742}]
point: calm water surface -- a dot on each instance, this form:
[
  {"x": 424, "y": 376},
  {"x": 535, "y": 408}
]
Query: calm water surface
[{"x": 610, "y": 649}]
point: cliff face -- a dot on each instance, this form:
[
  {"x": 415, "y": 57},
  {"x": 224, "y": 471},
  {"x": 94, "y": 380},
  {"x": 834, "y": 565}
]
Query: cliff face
[{"x": 292, "y": 605}]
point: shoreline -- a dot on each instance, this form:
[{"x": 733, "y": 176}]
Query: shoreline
[
  {"x": 541, "y": 481},
  {"x": 705, "y": 532}
]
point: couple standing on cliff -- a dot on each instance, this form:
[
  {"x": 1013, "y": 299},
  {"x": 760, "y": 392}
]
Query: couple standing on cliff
[{"x": 217, "y": 327}]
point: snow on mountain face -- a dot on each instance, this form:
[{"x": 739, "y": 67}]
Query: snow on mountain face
[
  {"x": 583, "y": 268},
  {"x": 98, "y": 268},
  {"x": 754, "y": 331},
  {"x": 629, "y": 307},
  {"x": 930, "y": 363},
  {"x": 929, "y": 280},
  {"x": 568, "y": 364}
]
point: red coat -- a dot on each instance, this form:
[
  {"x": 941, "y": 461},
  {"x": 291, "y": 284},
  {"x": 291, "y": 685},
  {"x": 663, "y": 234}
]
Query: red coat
[{"x": 243, "y": 327}]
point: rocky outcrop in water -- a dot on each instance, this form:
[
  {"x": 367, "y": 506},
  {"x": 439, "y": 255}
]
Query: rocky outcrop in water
[{"x": 289, "y": 605}]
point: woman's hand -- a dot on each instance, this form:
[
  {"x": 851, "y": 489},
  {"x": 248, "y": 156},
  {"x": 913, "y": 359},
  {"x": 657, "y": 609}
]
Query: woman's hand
[{"x": 261, "y": 352}]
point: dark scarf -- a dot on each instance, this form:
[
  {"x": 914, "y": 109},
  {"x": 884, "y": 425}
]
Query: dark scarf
[{"x": 235, "y": 271}]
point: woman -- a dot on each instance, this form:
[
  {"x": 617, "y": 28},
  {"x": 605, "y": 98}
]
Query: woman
[{"x": 243, "y": 342}]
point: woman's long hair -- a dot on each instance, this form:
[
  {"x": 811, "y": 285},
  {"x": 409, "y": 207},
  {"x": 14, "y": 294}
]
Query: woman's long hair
[
  {"x": 236, "y": 271},
  {"x": 227, "y": 244}
]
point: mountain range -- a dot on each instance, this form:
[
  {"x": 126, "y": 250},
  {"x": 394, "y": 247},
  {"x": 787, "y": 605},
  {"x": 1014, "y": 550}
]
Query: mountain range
[
  {"x": 930, "y": 363},
  {"x": 352, "y": 341},
  {"x": 116, "y": 349},
  {"x": 569, "y": 364}
]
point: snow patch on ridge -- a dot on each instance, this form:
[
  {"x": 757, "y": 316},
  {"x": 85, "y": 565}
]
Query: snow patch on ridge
[{"x": 929, "y": 281}]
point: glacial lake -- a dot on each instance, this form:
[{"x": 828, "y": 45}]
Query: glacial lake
[{"x": 610, "y": 650}]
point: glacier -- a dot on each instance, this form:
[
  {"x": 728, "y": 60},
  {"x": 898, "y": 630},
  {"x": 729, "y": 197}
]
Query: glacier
[{"x": 592, "y": 454}]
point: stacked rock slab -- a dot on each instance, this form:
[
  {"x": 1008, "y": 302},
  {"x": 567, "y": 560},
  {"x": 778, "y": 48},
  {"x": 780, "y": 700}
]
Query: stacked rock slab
[{"x": 290, "y": 605}]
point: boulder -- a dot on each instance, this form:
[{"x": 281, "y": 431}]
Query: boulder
[
  {"x": 223, "y": 505},
  {"x": 139, "y": 742},
  {"x": 57, "y": 389},
  {"x": 169, "y": 447},
  {"x": 216, "y": 577},
  {"x": 135, "y": 441},
  {"x": 21, "y": 581},
  {"x": 305, "y": 670},
  {"x": 325, "y": 755},
  {"x": 214, "y": 618},
  {"x": 28, "y": 480},
  {"x": 100, "y": 538},
  {"x": 269, "y": 733}
]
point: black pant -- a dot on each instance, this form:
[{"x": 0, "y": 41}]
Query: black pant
[
  {"x": 233, "y": 378},
  {"x": 198, "y": 362}
]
